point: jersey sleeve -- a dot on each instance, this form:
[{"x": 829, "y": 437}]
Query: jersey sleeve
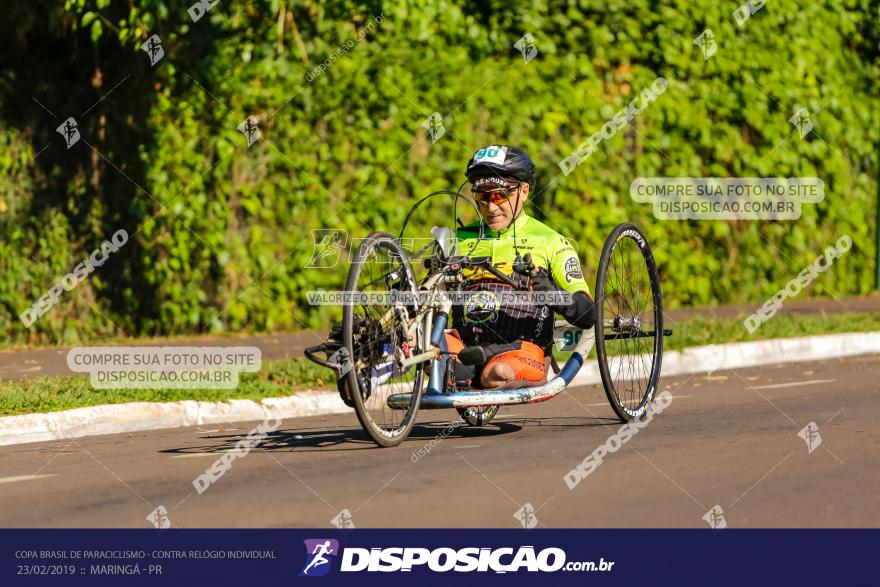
[{"x": 565, "y": 267}]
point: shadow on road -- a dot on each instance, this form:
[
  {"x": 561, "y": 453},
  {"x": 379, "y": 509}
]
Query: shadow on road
[
  {"x": 354, "y": 438},
  {"x": 337, "y": 438}
]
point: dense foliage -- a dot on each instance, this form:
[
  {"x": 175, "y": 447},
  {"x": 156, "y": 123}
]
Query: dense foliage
[{"x": 220, "y": 232}]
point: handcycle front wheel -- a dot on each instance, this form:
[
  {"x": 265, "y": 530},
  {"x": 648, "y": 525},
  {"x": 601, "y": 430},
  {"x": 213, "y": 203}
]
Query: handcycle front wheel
[
  {"x": 629, "y": 322},
  {"x": 379, "y": 334}
]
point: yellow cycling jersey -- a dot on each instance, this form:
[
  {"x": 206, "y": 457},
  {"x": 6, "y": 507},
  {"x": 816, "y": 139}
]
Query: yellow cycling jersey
[
  {"x": 485, "y": 319},
  {"x": 548, "y": 248}
]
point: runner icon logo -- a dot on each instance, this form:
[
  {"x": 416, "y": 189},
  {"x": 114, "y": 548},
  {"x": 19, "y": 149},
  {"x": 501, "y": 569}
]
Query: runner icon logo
[
  {"x": 320, "y": 553},
  {"x": 526, "y": 46},
  {"x": 249, "y": 127},
  {"x": 343, "y": 519},
  {"x": 801, "y": 121},
  {"x": 526, "y": 516},
  {"x": 159, "y": 518},
  {"x": 706, "y": 42},
  {"x": 153, "y": 48},
  {"x": 810, "y": 435},
  {"x": 434, "y": 125},
  {"x": 70, "y": 131},
  {"x": 715, "y": 518}
]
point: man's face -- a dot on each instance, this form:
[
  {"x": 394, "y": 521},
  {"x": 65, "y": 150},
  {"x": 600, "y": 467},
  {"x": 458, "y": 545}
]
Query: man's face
[{"x": 499, "y": 215}]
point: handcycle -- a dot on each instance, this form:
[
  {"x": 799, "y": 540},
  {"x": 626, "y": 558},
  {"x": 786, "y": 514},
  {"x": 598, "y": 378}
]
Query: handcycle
[{"x": 391, "y": 354}]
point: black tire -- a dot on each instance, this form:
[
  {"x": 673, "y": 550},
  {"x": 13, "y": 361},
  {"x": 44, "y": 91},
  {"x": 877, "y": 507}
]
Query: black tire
[
  {"x": 478, "y": 415},
  {"x": 371, "y": 342},
  {"x": 629, "y": 322}
]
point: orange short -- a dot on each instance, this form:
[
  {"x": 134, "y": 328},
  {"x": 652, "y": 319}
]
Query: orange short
[
  {"x": 527, "y": 362},
  {"x": 454, "y": 343}
]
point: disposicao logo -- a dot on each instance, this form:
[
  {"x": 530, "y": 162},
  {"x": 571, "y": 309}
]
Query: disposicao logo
[{"x": 320, "y": 553}]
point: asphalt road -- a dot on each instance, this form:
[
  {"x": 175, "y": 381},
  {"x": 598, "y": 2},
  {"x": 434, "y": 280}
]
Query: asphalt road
[{"x": 729, "y": 439}]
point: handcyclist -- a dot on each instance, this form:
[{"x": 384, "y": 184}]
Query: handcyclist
[{"x": 516, "y": 336}]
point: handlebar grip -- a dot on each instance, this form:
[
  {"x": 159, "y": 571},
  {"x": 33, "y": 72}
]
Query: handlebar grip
[
  {"x": 485, "y": 263},
  {"x": 494, "y": 271}
]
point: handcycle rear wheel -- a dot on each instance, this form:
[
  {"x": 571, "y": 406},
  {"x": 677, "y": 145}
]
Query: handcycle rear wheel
[
  {"x": 375, "y": 335},
  {"x": 629, "y": 322},
  {"x": 478, "y": 415}
]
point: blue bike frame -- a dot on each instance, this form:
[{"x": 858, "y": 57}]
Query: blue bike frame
[{"x": 435, "y": 397}]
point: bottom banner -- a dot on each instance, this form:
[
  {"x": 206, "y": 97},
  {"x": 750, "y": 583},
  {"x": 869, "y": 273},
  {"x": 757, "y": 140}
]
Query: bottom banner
[{"x": 436, "y": 557}]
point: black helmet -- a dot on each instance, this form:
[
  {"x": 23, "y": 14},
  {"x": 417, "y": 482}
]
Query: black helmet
[{"x": 501, "y": 162}]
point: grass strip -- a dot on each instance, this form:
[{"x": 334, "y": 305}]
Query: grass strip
[{"x": 286, "y": 377}]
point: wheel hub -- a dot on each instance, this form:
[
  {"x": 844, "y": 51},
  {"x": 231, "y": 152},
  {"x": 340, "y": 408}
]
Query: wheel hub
[{"x": 628, "y": 325}]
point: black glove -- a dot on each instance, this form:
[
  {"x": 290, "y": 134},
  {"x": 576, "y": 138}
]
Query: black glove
[
  {"x": 541, "y": 281},
  {"x": 580, "y": 312}
]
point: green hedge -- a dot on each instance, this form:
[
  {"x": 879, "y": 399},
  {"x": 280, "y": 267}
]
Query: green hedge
[{"x": 221, "y": 232}]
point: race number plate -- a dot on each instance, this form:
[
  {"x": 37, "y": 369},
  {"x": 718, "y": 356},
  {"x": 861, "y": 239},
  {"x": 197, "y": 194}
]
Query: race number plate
[{"x": 567, "y": 338}]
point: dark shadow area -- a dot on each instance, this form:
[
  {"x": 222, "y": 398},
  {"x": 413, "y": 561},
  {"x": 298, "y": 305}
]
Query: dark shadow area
[
  {"x": 345, "y": 438},
  {"x": 53, "y": 71},
  {"x": 96, "y": 174},
  {"x": 354, "y": 438}
]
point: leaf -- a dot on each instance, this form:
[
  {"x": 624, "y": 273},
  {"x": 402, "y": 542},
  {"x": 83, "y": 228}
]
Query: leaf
[{"x": 97, "y": 30}]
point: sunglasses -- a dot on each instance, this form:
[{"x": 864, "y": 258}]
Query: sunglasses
[{"x": 496, "y": 197}]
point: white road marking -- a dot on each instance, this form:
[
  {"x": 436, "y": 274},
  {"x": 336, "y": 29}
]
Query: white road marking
[
  {"x": 468, "y": 446},
  {"x": 606, "y": 403},
  {"x": 192, "y": 455},
  {"x": 24, "y": 478},
  {"x": 793, "y": 384}
]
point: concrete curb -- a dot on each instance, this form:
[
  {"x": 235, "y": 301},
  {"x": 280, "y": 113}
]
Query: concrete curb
[
  {"x": 138, "y": 416},
  {"x": 716, "y": 357}
]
